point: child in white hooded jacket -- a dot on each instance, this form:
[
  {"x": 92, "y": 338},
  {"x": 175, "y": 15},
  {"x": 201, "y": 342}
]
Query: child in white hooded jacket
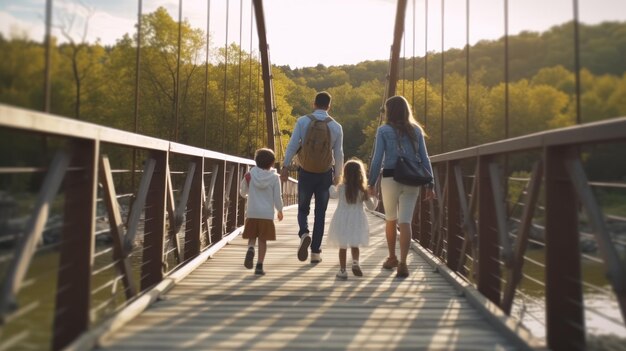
[{"x": 262, "y": 188}]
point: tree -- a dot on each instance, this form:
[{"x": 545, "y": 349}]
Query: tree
[
  {"x": 83, "y": 57},
  {"x": 161, "y": 83}
]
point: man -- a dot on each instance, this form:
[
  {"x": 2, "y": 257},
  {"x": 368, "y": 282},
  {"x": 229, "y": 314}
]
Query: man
[{"x": 315, "y": 174}]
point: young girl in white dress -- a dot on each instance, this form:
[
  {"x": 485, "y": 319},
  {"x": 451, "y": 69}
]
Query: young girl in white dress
[{"x": 348, "y": 227}]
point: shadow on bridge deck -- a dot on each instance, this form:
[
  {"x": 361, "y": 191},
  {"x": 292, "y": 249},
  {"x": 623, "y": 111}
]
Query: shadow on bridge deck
[{"x": 297, "y": 305}]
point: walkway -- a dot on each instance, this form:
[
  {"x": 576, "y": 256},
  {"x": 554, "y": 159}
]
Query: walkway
[{"x": 296, "y": 305}]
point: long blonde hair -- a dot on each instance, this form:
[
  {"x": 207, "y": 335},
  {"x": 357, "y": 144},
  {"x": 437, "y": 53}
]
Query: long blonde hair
[
  {"x": 400, "y": 117},
  {"x": 354, "y": 180}
]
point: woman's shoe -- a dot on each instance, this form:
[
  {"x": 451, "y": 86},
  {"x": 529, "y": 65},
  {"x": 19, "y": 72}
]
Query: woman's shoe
[
  {"x": 342, "y": 274},
  {"x": 403, "y": 270},
  {"x": 390, "y": 263}
]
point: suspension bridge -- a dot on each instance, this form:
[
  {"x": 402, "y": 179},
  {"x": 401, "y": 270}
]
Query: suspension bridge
[{"x": 133, "y": 242}]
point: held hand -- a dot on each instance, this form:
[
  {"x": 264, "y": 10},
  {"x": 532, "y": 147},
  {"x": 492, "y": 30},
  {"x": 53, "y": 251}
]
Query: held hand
[
  {"x": 429, "y": 195},
  {"x": 372, "y": 191},
  {"x": 280, "y": 216},
  {"x": 284, "y": 174}
]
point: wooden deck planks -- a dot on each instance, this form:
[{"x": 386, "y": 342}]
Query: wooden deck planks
[{"x": 296, "y": 305}]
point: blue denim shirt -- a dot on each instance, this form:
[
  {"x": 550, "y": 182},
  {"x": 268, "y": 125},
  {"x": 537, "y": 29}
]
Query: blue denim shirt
[{"x": 386, "y": 151}]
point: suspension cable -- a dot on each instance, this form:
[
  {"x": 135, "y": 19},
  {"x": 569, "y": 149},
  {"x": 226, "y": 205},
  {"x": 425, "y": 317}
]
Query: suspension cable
[
  {"x": 403, "y": 60},
  {"x": 225, "y": 80},
  {"x": 206, "y": 72},
  {"x": 248, "y": 124},
  {"x": 239, "y": 78},
  {"x": 426, "y": 66},
  {"x": 442, "y": 73},
  {"x": 467, "y": 72},
  {"x": 277, "y": 133},
  {"x": 258, "y": 102},
  {"x": 413, "y": 64}
]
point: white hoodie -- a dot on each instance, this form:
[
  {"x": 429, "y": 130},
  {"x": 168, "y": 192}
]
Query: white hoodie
[{"x": 263, "y": 193}]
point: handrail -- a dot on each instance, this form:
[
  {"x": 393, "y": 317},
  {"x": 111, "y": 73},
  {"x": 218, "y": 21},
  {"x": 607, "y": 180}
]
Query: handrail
[
  {"x": 588, "y": 133},
  {"x": 446, "y": 227},
  {"x": 188, "y": 199}
]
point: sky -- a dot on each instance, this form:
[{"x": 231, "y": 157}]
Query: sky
[{"x": 305, "y": 33}]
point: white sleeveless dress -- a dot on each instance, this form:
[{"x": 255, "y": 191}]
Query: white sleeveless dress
[{"x": 349, "y": 227}]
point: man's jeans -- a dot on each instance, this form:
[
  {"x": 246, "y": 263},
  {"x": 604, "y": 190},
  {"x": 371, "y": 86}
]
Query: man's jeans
[{"x": 310, "y": 184}]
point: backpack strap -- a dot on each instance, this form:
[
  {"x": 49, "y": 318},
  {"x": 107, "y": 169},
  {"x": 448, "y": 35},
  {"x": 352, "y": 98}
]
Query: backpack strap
[{"x": 313, "y": 119}]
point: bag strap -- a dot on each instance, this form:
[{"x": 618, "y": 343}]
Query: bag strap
[
  {"x": 326, "y": 120},
  {"x": 413, "y": 144}
]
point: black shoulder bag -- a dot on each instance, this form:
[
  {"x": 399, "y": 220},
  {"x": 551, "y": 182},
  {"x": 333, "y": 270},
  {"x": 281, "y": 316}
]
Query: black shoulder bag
[{"x": 408, "y": 171}]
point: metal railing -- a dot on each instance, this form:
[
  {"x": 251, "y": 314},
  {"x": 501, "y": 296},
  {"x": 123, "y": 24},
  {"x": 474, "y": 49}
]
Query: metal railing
[
  {"x": 520, "y": 220},
  {"x": 83, "y": 234}
]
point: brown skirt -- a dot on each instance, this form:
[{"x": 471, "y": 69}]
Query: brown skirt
[{"x": 259, "y": 228}]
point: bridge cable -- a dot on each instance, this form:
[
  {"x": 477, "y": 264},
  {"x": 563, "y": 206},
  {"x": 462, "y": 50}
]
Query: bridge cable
[
  {"x": 258, "y": 102},
  {"x": 277, "y": 134},
  {"x": 404, "y": 59},
  {"x": 225, "y": 81},
  {"x": 249, "y": 124},
  {"x": 239, "y": 78},
  {"x": 413, "y": 63},
  {"x": 442, "y": 74},
  {"x": 381, "y": 117},
  {"x": 426, "y": 65},
  {"x": 206, "y": 72},
  {"x": 467, "y": 71}
]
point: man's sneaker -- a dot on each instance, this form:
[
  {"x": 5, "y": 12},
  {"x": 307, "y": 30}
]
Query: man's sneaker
[
  {"x": 316, "y": 258},
  {"x": 403, "y": 271},
  {"x": 342, "y": 274},
  {"x": 390, "y": 263},
  {"x": 247, "y": 262},
  {"x": 259, "y": 270},
  {"x": 356, "y": 269},
  {"x": 303, "y": 250}
]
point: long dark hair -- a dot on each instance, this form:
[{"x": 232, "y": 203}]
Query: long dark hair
[
  {"x": 400, "y": 117},
  {"x": 354, "y": 180}
]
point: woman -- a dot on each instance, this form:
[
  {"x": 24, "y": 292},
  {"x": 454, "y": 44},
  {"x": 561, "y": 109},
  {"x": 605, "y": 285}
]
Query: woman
[{"x": 400, "y": 132}]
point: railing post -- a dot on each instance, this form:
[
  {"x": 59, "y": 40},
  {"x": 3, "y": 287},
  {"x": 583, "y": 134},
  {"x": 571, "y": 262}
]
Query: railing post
[
  {"x": 73, "y": 297},
  {"x": 425, "y": 225},
  {"x": 565, "y": 323},
  {"x": 453, "y": 219},
  {"x": 233, "y": 198},
  {"x": 488, "y": 249},
  {"x": 154, "y": 232},
  {"x": 218, "y": 204},
  {"x": 415, "y": 220},
  {"x": 241, "y": 202},
  {"x": 193, "y": 226}
]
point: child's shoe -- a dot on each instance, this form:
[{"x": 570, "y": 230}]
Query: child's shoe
[
  {"x": 259, "y": 269},
  {"x": 247, "y": 262},
  {"x": 356, "y": 269},
  {"x": 342, "y": 274}
]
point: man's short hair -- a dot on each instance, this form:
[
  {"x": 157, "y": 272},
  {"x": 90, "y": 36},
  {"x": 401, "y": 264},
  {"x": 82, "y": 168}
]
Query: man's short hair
[
  {"x": 264, "y": 158},
  {"x": 322, "y": 100}
]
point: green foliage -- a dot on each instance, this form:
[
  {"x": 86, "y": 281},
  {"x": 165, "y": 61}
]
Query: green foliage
[{"x": 97, "y": 84}]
